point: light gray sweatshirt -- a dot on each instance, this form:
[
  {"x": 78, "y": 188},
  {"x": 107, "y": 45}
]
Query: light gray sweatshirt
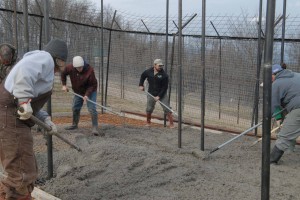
[{"x": 32, "y": 76}]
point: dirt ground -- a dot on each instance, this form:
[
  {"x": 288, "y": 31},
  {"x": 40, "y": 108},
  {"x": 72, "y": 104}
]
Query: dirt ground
[{"x": 137, "y": 162}]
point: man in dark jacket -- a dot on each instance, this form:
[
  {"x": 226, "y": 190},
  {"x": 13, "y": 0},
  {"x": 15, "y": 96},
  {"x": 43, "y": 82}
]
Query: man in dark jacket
[
  {"x": 158, "y": 85},
  {"x": 84, "y": 83},
  {"x": 286, "y": 94}
]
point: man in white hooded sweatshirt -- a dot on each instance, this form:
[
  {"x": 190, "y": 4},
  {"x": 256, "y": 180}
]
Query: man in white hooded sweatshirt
[{"x": 28, "y": 86}]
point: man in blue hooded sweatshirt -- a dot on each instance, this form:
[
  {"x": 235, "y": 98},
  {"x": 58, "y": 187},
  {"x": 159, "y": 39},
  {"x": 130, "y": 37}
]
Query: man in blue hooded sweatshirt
[{"x": 285, "y": 94}]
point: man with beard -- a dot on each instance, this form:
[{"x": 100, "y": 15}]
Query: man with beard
[{"x": 158, "y": 85}]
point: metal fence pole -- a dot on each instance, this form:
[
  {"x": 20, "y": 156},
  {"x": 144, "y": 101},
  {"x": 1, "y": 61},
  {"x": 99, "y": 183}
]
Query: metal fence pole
[
  {"x": 220, "y": 69},
  {"x": 166, "y": 52},
  {"x": 15, "y": 29},
  {"x": 49, "y": 109},
  {"x": 26, "y": 28},
  {"x": 258, "y": 68},
  {"x": 283, "y": 32},
  {"x": 102, "y": 60},
  {"x": 171, "y": 69},
  {"x": 167, "y": 37},
  {"x": 179, "y": 71},
  {"x": 267, "y": 91},
  {"x": 203, "y": 73},
  {"x": 41, "y": 25},
  {"x": 108, "y": 57}
]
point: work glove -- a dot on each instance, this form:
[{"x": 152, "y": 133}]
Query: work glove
[
  {"x": 25, "y": 110},
  {"x": 51, "y": 124},
  {"x": 279, "y": 115}
]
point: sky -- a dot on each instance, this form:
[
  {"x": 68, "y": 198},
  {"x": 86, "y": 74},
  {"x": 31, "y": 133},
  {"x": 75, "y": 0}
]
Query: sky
[{"x": 213, "y": 7}]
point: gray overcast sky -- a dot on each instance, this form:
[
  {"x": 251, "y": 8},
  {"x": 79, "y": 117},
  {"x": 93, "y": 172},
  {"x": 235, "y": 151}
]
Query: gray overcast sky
[{"x": 214, "y": 7}]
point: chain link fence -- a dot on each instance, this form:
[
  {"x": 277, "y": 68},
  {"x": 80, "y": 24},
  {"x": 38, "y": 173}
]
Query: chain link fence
[{"x": 132, "y": 44}]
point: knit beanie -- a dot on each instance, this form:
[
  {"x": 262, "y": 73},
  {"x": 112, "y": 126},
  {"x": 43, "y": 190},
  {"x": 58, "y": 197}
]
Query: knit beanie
[
  {"x": 78, "y": 61},
  {"x": 57, "y": 48}
]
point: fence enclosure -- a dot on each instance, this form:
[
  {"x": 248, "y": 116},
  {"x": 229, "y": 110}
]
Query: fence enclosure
[{"x": 132, "y": 44}]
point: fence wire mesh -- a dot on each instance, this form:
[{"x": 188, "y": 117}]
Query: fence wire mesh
[{"x": 132, "y": 44}]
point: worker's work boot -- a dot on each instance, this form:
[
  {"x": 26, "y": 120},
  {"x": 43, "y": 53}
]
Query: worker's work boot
[
  {"x": 27, "y": 197},
  {"x": 148, "y": 116},
  {"x": 95, "y": 130},
  {"x": 76, "y": 116},
  {"x": 2, "y": 192},
  {"x": 275, "y": 155},
  {"x": 171, "y": 120},
  {"x": 10, "y": 193}
]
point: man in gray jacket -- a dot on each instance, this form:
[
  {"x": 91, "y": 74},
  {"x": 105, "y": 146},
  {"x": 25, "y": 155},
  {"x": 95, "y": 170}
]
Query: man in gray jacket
[{"x": 286, "y": 94}]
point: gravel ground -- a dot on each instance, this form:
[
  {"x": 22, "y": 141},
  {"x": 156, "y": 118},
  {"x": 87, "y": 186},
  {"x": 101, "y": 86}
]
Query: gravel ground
[{"x": 136, "y": 162}]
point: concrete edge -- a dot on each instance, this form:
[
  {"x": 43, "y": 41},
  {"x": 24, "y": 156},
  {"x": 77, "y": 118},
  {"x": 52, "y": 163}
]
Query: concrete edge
[{"x": 37, "y": 193}]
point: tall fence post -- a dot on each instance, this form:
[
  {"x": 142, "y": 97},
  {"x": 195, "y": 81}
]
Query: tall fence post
[
  {"x": 283, "y": 32},
  {"x": 102, "y": 59},
  {"x": 258, "y": 68},
  {"x": 203, "y": 74},
  {"x": 26, "y": 28},
  {"x": 267, "y": 91},
  {"x": 108, "y": 57},
  {"x": 166, "y": 51},
  {"x": 220, "y": 69},
  {"x": 179, "y": 71},
  {"x": 49, "y": 108},
  {"x": 15, "y": 30}
]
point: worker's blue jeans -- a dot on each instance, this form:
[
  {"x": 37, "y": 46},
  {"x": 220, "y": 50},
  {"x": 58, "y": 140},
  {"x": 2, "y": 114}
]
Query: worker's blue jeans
[{"x": 78, "y": 102}]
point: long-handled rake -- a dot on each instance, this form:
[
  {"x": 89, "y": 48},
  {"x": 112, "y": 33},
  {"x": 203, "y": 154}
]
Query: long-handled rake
[
  {"x": 121, "y": 114},
  {"x": 234, "y": 138},
  {"x": 272, "y": 131},
  {"x": 105, "y": 108},
  {"x": 48, "y": 129},
  {"x": 167, "y": 107},
  {"x": 243, "y": 133}
]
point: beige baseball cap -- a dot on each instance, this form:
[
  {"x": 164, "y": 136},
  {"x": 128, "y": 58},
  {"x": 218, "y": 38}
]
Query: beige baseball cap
[{"x": 158, "y": 62}]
